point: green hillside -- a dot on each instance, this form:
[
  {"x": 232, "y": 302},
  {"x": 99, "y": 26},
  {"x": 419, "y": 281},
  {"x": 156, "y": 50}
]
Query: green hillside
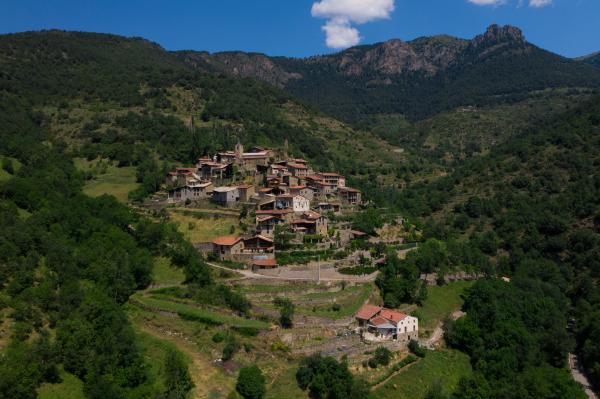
[{"x": 532, "y": 207}]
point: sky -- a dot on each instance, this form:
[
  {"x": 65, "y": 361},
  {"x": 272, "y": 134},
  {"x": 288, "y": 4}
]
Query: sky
[{"x": 300, "y": 28}]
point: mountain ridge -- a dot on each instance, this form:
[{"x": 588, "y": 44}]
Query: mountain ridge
[{"x": 416, "y": 78}]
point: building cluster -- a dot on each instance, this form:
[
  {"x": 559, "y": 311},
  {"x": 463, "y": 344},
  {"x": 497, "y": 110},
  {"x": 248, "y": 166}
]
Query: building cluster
[
  {"x": 378, "y": 324},
  {"x": 281, "y": 190}
]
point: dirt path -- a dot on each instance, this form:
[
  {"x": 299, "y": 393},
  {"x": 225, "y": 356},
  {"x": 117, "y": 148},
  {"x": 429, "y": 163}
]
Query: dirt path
[
  {"x": 579, "y": 376},
  {"x": 434, "y": 340},
  {"x": 250, "y": 274},
  {"x": 203, "y": 373}
]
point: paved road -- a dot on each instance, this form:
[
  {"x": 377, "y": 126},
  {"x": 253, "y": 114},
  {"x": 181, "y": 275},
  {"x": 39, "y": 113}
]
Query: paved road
[{"x": 579, "y": 376}]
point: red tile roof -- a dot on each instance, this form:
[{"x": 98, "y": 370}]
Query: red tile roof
[
  {"x": 227, "y": 240},
  {"x": 265, "y": 262},
  {"x": 377, "y": 321},
  {"x": 392, "y": 315},
  {"x": 296, "y": 166},
  {"x": 367, "y": 311}
]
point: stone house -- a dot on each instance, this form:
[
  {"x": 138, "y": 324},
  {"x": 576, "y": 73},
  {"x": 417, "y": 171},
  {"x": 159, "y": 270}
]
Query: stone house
[
  {"x": 225, "y": 196},
  {"x": 296, "y": 203},
  {"x": 379, "y": 324},
  {"x": 245, "y": 192},
  {"x": 304, "y": 191},
  {"x": 194, "y": 191},
  {"x": 226, "y": 248},
  {"x": 351, "y": 195}
]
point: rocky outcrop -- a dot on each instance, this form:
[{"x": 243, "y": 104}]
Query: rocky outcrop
[{"x": 246, "y": 65}]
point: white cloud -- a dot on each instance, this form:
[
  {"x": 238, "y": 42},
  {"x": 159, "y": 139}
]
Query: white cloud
[
  {"x": 340, "y": 34},
  {"x": 341, "y": 14},
  {"x": 487, "y": 2},
  {"x": 532, "y": 3},
  {"x": 539, "y": 3}
]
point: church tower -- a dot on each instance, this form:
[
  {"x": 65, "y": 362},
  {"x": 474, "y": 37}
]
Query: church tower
[{"x": 239, "y": 152}]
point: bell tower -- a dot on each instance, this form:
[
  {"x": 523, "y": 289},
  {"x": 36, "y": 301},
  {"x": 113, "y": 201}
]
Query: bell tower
[{"x": 239, "y": 151}]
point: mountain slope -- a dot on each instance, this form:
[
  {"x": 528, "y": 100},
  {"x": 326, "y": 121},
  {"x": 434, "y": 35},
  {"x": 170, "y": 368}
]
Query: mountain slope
[
  {"x": 418, "y": 78},
  {"x": 131, "y": 101},
  {"x": 592, "y": 59}
]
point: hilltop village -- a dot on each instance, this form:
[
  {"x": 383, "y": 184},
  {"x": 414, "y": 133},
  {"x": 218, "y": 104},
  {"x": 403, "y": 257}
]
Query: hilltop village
[{"x": 281, "y": 192}]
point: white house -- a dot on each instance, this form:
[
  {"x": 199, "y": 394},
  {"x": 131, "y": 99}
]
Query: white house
[
  {"x": 296, "y": 203},
  {"x": 381, "y": 324}
]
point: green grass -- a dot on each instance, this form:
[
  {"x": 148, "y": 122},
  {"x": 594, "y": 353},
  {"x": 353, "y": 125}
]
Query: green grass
[
  {"x": 195, "y": 313},
  {"x": 440, "y": 303},
  {"x": 285, "y": 386},
  {"x": 71, "y": 387},
  {"x": 349, "y": 304},
  {"x": 112, "y": 180},
  {"x": 204, "y": 229},
  {"x": 438, "y": 367},
  {"x": 164, "y": 273}
]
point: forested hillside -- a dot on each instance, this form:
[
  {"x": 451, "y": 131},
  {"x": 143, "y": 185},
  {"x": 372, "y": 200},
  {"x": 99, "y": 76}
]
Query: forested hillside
[
  {"x": 416, "y": 79},
  {"x": 532, "y": 208},
  {"x": 131, "y": 101},
  {"x": 592, "y": 59}
]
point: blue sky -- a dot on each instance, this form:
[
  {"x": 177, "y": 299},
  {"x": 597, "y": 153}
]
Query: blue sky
[{"x": 295, "y": 27}]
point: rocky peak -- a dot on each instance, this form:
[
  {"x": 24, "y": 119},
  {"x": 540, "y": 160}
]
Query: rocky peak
[{"x": 497, "y": 34}]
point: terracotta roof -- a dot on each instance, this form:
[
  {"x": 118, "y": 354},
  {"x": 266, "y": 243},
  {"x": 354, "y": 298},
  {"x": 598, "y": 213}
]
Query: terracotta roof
[
  {"x": 303, "y": 222},
  {"x": 378, "y": 321},
  {"x": 227, "y": 240},
  {"x": 259, "y": 237},
  {"x": 329, "y": 174},
  {"x": 296, "y": 166},
  {"x": 367, "y": 311},
  {"x": 297, "y": 187},
  {"x": 265, "y": 262},
  {"x": 311, "y": 215},
  {"x": 392, "y": 315},
  {"x": 186, "y": 170},
  {"x": 244, "y": 186}
]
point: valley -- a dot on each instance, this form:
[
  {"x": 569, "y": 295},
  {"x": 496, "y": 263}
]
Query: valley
[{"x": 412, "y": 219}]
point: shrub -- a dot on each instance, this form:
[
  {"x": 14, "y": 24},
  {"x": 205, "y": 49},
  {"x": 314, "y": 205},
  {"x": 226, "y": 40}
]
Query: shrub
[
  {"x": 415, "y": 348},
  {"x": 218, "y": 337},
  {"x": 251, "y": 383},
  {"x": 230, "y": 349}
]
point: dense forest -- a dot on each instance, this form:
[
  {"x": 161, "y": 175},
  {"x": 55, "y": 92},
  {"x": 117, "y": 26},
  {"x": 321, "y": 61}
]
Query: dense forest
[{"x": 529, "y": 211}]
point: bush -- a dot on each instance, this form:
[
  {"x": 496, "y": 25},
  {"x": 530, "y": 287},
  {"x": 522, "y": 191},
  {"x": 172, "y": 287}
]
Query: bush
[
  {"x": 230, "y": 349},
  {"x": 7, "y": 165},
  {"x": 286, "y": 312},
  {"x": 417, "y": 349},
  {"x": 218, "y": 337},
  {"x": 251, "y": 383},
  {"x": 381, "y": 357}
]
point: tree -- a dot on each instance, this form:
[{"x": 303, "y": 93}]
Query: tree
[
  {"x": 251, "y": 383},
  {"x": 286, "y": 312},
  {"x": 177, "y": 377},
  {"x": 326, "y": 378}
]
